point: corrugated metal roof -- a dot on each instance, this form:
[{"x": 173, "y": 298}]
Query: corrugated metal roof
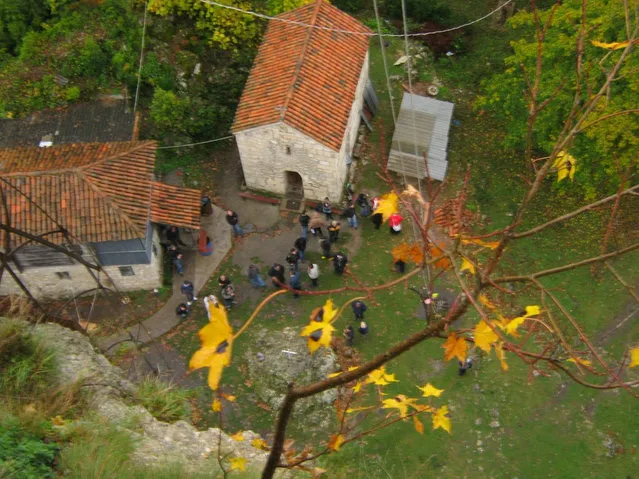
[{"x": 422, "y": 128}]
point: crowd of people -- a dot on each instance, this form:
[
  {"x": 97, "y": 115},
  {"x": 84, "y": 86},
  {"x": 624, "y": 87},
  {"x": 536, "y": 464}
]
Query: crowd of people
[{"x": 318, "y": 221}]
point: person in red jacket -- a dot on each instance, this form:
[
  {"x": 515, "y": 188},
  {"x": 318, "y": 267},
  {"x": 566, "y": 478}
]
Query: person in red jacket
[{"x": 395, "y": 223}]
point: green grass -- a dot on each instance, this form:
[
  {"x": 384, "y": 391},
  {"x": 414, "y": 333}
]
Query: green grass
[{"x": 165, "y": 401}]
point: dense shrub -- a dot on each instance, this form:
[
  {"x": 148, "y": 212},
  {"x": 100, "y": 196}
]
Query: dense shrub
[{"x": 24, "y": 455}]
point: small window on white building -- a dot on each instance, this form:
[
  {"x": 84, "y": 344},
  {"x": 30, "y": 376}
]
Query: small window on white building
[
  {"x": 127, "y": 271},
  {"x": 288, "y": 150},
  {"x": 63, "y": 274}
]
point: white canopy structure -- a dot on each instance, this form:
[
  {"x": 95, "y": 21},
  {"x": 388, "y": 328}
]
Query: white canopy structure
[{"x": 422, "y": 129}]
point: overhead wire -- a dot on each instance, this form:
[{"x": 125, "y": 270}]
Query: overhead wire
[
  {"x": 351, "y": 32},
  {"x": 137, "y": 88}
]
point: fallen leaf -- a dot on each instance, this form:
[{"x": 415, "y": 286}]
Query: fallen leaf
[
  {"x": 634, "y": 358},
  {"x": 238, "y": 464},
  {"x": 259, "y": 443},
  {"x": 238, "y": 436}
]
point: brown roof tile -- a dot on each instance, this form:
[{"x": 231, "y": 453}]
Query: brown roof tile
[
  {"x": 97, "y": 191},
  {"x": 173, "y": 205},
  {"x": 305, "y": 77}
]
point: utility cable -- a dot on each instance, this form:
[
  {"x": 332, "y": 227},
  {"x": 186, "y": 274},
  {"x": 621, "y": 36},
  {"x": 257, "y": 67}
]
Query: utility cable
[{"x": 350, "y": 32}]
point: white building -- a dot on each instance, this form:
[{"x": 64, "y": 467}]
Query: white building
[{"x": 297, "y": 121}]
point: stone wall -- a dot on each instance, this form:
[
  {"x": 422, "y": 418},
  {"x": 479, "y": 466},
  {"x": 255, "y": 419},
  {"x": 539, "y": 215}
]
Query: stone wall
[
  {"x": 268, "y": 152},
  {"x": 45, "y": 283}
]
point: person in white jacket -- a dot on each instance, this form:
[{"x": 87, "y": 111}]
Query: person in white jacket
[{"x": 313, "y": 273}]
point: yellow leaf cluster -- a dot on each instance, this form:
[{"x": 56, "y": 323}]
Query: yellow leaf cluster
[
  {"x": 319, "y": 331},
  {"x": 259, "y": 443},
  {"x": 238, "y": 436},
  {"x": 566, "y": 165},
  {"x": 408, "y": 252},
  {"x": 377, "y": 376},
  {"x": 388, "y": 204},
  {"x": 335, "y": 442},
  {"x": 401, "y": 403},
  {"x": 216, "y": 343},
  {"x": 512, "y": 325},
  {"x": 610, "y": 46},
  {"x": 441, "y": 419},
  {"x": 455, "y": 347},
  {"x": 467, "y": 265}
]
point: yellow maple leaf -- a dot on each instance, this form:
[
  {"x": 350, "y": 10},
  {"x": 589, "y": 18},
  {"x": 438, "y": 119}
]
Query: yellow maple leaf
[
  {"x": 419, "y": 427},
  {"x": 335, "y": 442},
  {"x": 485, "y": 244},
  {"x": 483, "y": 299},
  {"x": 532, "y": 311},
  {"x": 440, "y": 419},
  {"x": 259, "y": 443},
  {"x": 228, "y": 397},
  {"x": 609, "y": 46},
  {"x": 238, "y": 464},
  {"x": 467, "y": 265},
  {"x": 583, "y": 362},
  {"x": 566, "y": 165},
  {"x": 216, "y": 406},
  {"x": 455, "y": 347},
  {"x": 511, "y": 327},
  {"x": 238, "y": 436},
  {"x": 634, "y": 357},
  {"x": 388, "y": 204},
  {"x": 380, "y": 377},
  {"x": 399, "y": 402},
  {"x": 501, "y": 355},
  {"x": 484, "y": 336},
  {"x": 319, "y": 331},
  {"x": 360, "y": 408},
  {"x": 430, "y": 390},
  {"x": 215, "y": 351}
]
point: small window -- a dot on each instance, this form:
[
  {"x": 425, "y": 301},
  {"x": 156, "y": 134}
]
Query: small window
[
  {"x": 288, "y": 150},
  {"x": 127, "y": 271},
  {"x": 63, "y": 274},
  {"x": 155, "y": 250}
]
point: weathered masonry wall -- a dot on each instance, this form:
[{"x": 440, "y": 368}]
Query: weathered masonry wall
[
  {"x": 47, "y": 283},
  {"x": 267, "y": 152}
]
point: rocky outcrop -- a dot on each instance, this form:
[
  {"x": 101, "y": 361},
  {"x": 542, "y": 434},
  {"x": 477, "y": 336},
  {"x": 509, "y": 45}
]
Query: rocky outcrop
[
  {"x": 277, "y": 358},
  {"x": 157, "y": 442}
]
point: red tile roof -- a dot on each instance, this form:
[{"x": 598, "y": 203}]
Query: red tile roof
[
  {"x": 306, "y": 77},
  {"x": 172, "y": 205},
  {"x": 97, "y": 191}
]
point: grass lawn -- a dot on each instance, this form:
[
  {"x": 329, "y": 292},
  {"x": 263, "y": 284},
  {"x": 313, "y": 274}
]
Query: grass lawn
[{"x": 504, "y": 424}]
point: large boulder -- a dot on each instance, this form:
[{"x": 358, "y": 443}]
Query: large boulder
[{"x": 277, "y": 358}]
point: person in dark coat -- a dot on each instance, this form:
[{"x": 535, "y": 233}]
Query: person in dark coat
[
  {"x": 304, "y": 221},
  {"x": 351, "y": 215},
  {"x": 465, "y": 365},
  {"x": 300, "y": 246},
  {"x": 327, "y": 209},
  {"x": 182, "y": 310},
  {"x": 363, "y": 328},
  {"x": 359, "y": 308},
  {"x": 295, "y": 282},
  {"x": 234, "y": 221},
  {"x": 326, "y": 248},
  {"x": 400, "y": 266},
  {"x": 293, "y": 258},
  {"x": 223, "y": 281},
  {"x": 349, "y": 335},
  {"x": 364, "y": 205},
  {"x": 176, "y": 258},
  {"x": 254, "y": 276},
  {"x": 187, "y": 290},
  {"x": 228, "y": 296},
  {"x": 277, "y": 274},
  {"x": 173, "y": 236},
  {"x": 377, "y": 220},
  {"x": 339, "y": 263},
  {"x": 333, "y": 231}
]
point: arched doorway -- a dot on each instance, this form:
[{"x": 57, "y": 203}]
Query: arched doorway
[{"x": 294, "y": 185}]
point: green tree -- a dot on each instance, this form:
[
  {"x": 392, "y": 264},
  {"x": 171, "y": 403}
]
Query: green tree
[
  {"x": 227, "y": 29},
  {"x": 19, "y": 17},
  {"x": 557, "y": 64}
]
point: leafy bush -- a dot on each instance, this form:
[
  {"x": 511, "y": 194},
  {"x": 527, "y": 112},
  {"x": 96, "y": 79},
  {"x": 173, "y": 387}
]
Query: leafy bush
[
  {"x": 26, "y": 365},
  {"x": 73, "y": 93},
  {"x": 164, "y": 401},
  {"x": 24, "y": 455},
  {"x": 417, "y": 10}
]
